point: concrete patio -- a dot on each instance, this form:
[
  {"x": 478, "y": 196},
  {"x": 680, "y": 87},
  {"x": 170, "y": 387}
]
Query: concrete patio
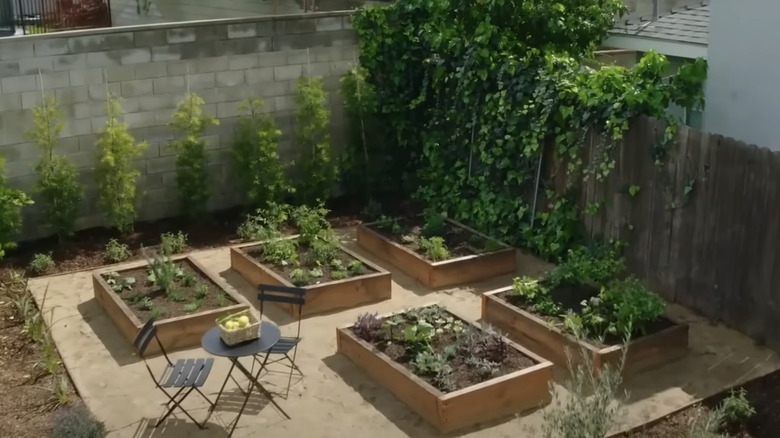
[{"x": 335, "y": 399}]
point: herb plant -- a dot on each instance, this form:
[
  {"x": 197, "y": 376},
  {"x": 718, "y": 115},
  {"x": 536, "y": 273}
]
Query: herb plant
[
  {"x": 367, "y": 326},
  {"x": 164, "y": 273},
  {"x": 172, "y": 243},
  {"x": 434, "y": 248},
  {"x": 189, "y": 123},
  {"x": 115, "y": 171},
  {"x": 317, "y": 172},
  {"x": 76, "y": 421},
  {"x": 736, "y": 408},
  {"x": 41, "y": 263},
  {"x": 300, "y": 277},
  {"x": 117, "y": 252}
]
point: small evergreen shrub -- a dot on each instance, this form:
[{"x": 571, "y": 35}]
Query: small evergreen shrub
[{"x": 76, "y": 421}]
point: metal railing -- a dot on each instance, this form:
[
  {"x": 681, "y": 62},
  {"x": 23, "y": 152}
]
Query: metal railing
[{"x": 25, "y": 17}]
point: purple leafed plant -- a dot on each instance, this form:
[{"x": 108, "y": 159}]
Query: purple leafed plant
[
  {"x": 487, "y": 345},
  {"x": 367, "y": 326}
]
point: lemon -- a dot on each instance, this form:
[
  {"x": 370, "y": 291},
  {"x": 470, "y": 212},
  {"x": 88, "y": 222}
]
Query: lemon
[{"x": 243, "y": 321}]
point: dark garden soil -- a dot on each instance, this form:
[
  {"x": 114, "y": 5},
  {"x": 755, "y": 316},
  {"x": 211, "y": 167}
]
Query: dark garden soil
[
  {"x": 459, "y": 241},
  {"x": 763, "y": 394},
  {"x": 463, "y": 374},
  {"x": 308, "y": 263},
  {"x": 570, "y": 298},
  {"x": 26, "y": 402},
  {"x": 144, "y": 298}
]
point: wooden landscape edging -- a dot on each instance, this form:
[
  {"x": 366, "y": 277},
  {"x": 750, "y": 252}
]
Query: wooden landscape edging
[
  {"x": 175, "y": 333},
  {"x": 492, "y": 400},
  {"x": 445, "y": 273},
  {"x": 643, "y": 353},
  {"x": 320, "y": 298}
]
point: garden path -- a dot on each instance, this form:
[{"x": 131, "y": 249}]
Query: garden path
[{"x": 335, "y": 398}]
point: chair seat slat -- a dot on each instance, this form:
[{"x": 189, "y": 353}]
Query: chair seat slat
[
  {"x": 204, "y": 372},
  {"x": 183, "y": 373}
]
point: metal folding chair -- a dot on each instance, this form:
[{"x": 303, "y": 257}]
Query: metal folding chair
[
  {"x": 287, "y": 347},
  {"x": 183, "y": 376}
]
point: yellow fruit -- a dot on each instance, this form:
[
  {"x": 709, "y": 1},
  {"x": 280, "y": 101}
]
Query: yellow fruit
[
  {"x": 243, "y": 321},
  {"x": 231, "y": 325}
]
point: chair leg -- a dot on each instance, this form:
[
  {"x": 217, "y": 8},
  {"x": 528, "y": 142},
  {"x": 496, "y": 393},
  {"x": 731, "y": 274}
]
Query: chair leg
[{"x": 177, "y": 404}]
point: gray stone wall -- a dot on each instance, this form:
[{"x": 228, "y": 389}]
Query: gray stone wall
[{"x": 150, "y": 67}]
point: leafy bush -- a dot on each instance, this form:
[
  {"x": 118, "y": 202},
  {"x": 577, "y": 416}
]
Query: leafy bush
[
  {"x": 316, "y": 172},
  {"x": 256, "y": 163},
  {"x": 41, "y": 263},
  {"x": 115, "y": 171},
  {"x": 535, "y": 295},
  {"x": 367, "y": 326},
  {"x": 623, "y": 307},
  {"x": 11, "y": 203},
  {"x": 172, "y": 243},
  {"x": 58, "y": 183},
  {"x": 585, "y": 266},
  {"x": 736, "y": 408},
  {"x": 76, "y": 421},
  {"x": 117, "y": 252},
  {"x": 192, "y": 177},
  {"x": 265, "y": 223},
  {"x": 434, "y": 248}
]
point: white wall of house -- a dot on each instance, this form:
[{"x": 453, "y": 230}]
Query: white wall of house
[{"x": 743, "y": 97}]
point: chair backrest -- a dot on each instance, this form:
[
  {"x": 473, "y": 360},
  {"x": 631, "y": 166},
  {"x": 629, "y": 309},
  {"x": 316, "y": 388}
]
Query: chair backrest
[
  {"x": 144, "y": 337},
  {"x": 283, "y": 294}
]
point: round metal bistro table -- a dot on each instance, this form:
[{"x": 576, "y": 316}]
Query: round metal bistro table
[{"x": 269, "y": 336}]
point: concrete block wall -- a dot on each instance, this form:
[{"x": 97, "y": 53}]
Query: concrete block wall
[{"x": 150, "y": 67}]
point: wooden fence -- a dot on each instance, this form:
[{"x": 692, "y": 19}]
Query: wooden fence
[{"x": 703, "y": 226}]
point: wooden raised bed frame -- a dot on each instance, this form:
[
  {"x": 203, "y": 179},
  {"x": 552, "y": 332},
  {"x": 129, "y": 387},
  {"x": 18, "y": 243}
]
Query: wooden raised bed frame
[
  {"x": 444, "y": 273},
  {"x": 643, "y": 353},
  {"x": 320, "y": 298},
  {"x": 488, "y": 401},
  {"x": 175, "y": 333}
]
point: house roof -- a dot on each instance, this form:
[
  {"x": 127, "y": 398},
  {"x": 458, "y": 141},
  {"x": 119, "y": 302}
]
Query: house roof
[{"x": 682, "y": 32}]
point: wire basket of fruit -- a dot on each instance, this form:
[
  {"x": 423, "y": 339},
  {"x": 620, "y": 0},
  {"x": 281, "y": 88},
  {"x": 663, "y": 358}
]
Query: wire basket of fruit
[{"x": 238, "y": 327}]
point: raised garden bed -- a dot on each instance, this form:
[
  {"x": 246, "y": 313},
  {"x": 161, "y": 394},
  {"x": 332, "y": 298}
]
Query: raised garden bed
[
  {"x": 336, "y": 279},
  {"x": 663, "y": 341},
  {"x": 185, "y": 309},
  {"x": 438, "y": 252},
  {"x": 449, "y": 371}
]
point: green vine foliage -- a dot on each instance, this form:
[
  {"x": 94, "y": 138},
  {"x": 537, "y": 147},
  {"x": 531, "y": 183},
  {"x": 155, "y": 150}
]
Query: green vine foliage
[
  {"x": 317, "y": 172},
  {"x": 256, "y": 162},
  {"x": 11, "y": 203},
  {"x": 115, "y": 173},
  {"x": 192, "y": 178},
  {"x": 58, "y": 184},
  {"x": 480, "y": 97}
]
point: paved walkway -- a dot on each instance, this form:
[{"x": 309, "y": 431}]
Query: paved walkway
[{"x": 335, "y": 399}]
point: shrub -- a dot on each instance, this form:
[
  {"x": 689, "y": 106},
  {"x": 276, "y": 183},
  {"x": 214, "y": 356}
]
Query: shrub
[
  {"x": 117, "y": 252},
  {"x": 172, "y": 243},
  {"x": 189, "y": 123},
  {"x": 316, "y": 172},
  {"x": 41, "y": 263},
  {"x": 11, "y": 203},
  {"x": 76, "y": 421},
  {"x": 736, "y": 408},
  {"x": 115, "y": 172},
  {"x": 256, "y": 162},
  {"x": 57, "y": 183}
]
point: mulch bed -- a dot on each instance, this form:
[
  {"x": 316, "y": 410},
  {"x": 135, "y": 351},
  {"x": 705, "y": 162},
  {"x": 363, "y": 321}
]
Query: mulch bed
[
  {"x": 570, "y": 298},
  {"x": 763, "y": 394},
  {"x": 459, "y": 241},
  {"x": 463, "y": 374},
  {"x": 256, "y": 252},
  {"x": 144, "y": 297}
]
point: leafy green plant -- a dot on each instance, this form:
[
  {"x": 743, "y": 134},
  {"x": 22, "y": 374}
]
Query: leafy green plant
[
  {"x": 316, "y": 273},
  {"x": 436, "y": 365},
  {"x": 11, "y": 203},
  {"x": 367, "y": 326},
  {"x": 118, "y": 283},
  {"x": 76, "y": 421},
  {"x": 356, "y": 267},
  {"x": 300, "y": 277},
  {"x": 736, "y": 408},
  {"x": 201, "y": 291},
  {"x": 322, "y": 251},
  {"x": 222, "y": 299},
  {"x": 317, "y": 173},
  {"x": 339, "y": 275},
  {"x": 256, "y": 163},
  {"x": 280, "y": 251},
  {"x": 41, "y": 263},
  {"x": 433, "y": 223},
  {"x": 389, "y": 224},
  {"x": 146, "y": 303},
  {"x": 117, "y": 252},
  {"x": 534, "y": 295},
  {"x": 417, "y": 336},
  {"x": 172, "y": 243},
  {"x": 58, "y": 184},
  {"x": 115, "y": 170},
  {"x": 193, "y": 306},
  {"x": 265, "y": 223},
  {"x": 189, "y": 123},
  {"x": 623, "y": 307},
  {"x": 164, "y": 273},
  {"x": 188, "y": 279},
  {"x": 155, "y": 312},
  {"x": 434, "y": 248},
  {"x": 585, "y": 266},
  {"x": 312, "y": 224}
]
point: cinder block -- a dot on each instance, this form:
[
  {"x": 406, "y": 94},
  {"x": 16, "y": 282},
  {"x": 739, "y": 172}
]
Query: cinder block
[
  {"x": 165, "y": 53},
  {"x": 141, "y": 120},
  {"x": 31, "y": 99},
  {"x": 150, "y": 38},
  {"x": 19, "y": 152},
  {"x": 10, "y": 51},
  {"x": 76, "y": 127},
  {"x": 119, "y": 74},
  {"x": 199, "y": 50},
  {"x": 257, "y": 75},
  {"x": 151, "y": 70},
  {"x": 210, "y": 33},
  {"x": 328, "y": 23},
  {"x": 325, "y": 54},
  {"x": 242, "y": 30},
  {"x": 287, "y": 72},
  {"x": 157, "y": 102},
  {"x": 228, "y": 109},
  {"x": 96, "y": 43},
  {"x": 19, "y": 84},
  {"x": 31, "y": 66},
  {"x": 242, "y": 62},
  {"x": 135, "y": 56},
  {"x": 335, "y": 38},
  {"x": 9, "y": 102},
  {"x": 346, "y": 22},
  {"x": 86, "y": 77},
  {"x": 55, "y": 80},
  {"x": 10, "y": 68},
  {"x": 103, "y": 59},
  {"x": 242, "y": 46},
  {"x": 231, "y": 78},
  {"x": 265, "y": 28},
  {"x": 48, "y": 47},
  {"x": 181, "y": 35},
  {"x": 83, "y": 159},
  {"x": 82, "y": 111},
  {"x": 150, "y": 181},
  {"x": 69, "y": 62},
  {"x": 320, "y": 69},
  {"x": 14, "y": 123},
  {"x": 272, "y": 59},
  {"x": 136, "y": 88},
  {"x": 161, "y": 164},
  {"x": 72, "y": 95},
  {"x": 98, "y": 123},
  {"x": 87, "y": 143},
  {"x": 201, "y": 81},
  {"x": 304, "y": 56},
  {"x": 158, "y": 134},
  {"x": 279, "y": 88},
  {"x": 350, "y": 52},
  {"x": 99, "y": 91},
  {"x": 284, "y": 103},
  {"x": 194, "y": 66},
  {"x": 171, "y": 84},
  {"x": 298, "y": 25}
]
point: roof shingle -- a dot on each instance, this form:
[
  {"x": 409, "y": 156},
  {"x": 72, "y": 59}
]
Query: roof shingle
[{"x": 690, "y": 25}]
